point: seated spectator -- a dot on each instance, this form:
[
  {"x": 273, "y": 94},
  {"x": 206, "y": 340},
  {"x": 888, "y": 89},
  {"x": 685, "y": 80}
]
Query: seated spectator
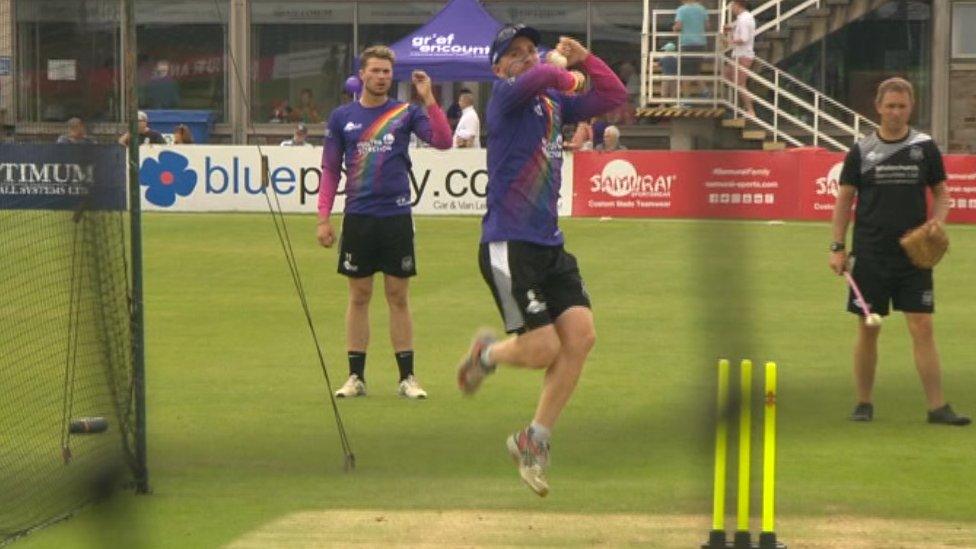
[
  {"x": 182, "y": 135},
  {"x": 582, "y": 139},
  {"x": 599, "y": 124},
  {"x": 281, "y": 112},
  {"x": 77, "y": 133},
  {"x": 307, "y": 112},
  {"x": 146, "y": 135},
  {"x": 298, "y": 138},
  {"x": 611, "y": 140}
]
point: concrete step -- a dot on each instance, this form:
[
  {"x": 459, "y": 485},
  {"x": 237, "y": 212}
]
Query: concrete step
[
  {"x": 739, "y": 123},
  {"x": 754, "y": 135},
  {"x": 798, "y": 22},
  {"x": 774, "y": 145}
]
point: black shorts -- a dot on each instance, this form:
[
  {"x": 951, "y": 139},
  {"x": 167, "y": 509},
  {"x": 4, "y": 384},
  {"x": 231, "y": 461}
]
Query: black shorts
[
  {"x": 532, "y": 284},
  {"x": 891, "y": 280},
  {"x": 369, "y": 244}
]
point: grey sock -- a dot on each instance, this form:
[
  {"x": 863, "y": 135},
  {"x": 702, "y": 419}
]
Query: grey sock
[
  {"x": 485, "y": 358},
  {"x": 540, "y": 435}
]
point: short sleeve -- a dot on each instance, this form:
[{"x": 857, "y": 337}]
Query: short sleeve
[
  {"x": 850, "y": 174},
  {"x": 936, "y": 172}
]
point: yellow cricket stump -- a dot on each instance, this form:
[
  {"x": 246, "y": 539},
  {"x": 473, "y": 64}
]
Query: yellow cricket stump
[
  {"x": 767, "y": 537},
  {"x": 721, "y": 447},
  {"x": 742, "y": 537}
]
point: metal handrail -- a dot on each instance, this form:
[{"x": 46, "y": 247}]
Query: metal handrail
[
  {"x": 778, "y": 93},
  {"x": 727, "y": 92},
  {"x": 781, "y": 16},
  {"x": 811, "y": 89}
]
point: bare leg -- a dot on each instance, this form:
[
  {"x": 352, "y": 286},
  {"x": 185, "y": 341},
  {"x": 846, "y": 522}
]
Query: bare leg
[
  {"x": 865, "y": 359},
  {"x": 926, "y": 357},
  {"x": 357, "y": 314},
  {"x": 536, "y": 348},
  {"x": 745, "y": 98},
  {"x": 577, "y": 336},
  {"x": 401, "y": 325}
]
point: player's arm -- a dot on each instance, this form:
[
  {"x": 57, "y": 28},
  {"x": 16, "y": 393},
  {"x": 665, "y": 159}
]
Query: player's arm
[
  {"x": 606, "y": 93},
  {"x": 940, "y": 202},
  {"x": 850, "y": 177},
  {"x": 432, "y": 128},
  {"x": 936, "y": 179},
  {"x": 513, "y": 93},
  {"x": 332, "y": 155}
]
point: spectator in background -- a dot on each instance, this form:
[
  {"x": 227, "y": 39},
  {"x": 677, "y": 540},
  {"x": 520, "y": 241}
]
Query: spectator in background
[
  {"x": 599, "y": 124},
  {"x": 467, "y": 135},
  {"x": 691, "y": 20},
  {"x": 307, "y": 111},
  {"x": 146, "y": 135},
  {"x": 298, "y": 138},
  {"x": 281, "y": 113},
  {"x": 454, "y": 111},
  {"x": 611, "y": 140},
  {"x": 77, "y": 134},
  {"x": 582, "y": 139},
  {"x": 628, "y": 75},
  {"x": 669, "y": 68},
  {"x": 182, "y": 135},
  {"x": 742, "y": 35},
  {"x": 162, "y": 91}
]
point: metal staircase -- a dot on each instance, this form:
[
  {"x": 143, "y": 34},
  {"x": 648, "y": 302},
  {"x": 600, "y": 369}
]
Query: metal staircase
[
  {"x": 784, "y": 27},
  {"x": 789, "y": 111}
]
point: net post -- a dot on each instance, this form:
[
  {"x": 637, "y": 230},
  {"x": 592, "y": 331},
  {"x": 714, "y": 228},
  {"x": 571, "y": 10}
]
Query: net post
[{"x": 135, "y": 222}]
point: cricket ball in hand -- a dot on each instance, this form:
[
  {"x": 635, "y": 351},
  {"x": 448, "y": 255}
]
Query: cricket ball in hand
[
  {"x": 556, "y": 58},
  {"x": 873, "y": 319}
]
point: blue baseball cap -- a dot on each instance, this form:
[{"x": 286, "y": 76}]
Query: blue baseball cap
[{"x": 505, "y": 36}]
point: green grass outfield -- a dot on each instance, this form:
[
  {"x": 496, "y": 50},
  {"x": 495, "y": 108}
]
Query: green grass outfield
[{"x": 241, "y": 434}]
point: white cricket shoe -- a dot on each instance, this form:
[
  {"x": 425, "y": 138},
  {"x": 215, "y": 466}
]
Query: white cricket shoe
[
  {"x": 532, "y": 460},
  {"x": 410, "y": 388},
  {"x": 353, "y": 387}
]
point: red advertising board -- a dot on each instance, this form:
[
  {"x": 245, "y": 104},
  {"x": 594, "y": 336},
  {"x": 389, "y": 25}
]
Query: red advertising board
[
  {"x": 749, "y": 185},
  {"x": 961, "y": 172},
  {"x": 796, "y": 184}
]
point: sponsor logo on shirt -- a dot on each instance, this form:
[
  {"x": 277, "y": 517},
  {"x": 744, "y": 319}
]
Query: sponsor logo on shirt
[
  {"x": 915, "y": 153},
  {"x": 383, "y": 145},
  {"x": 352, "y": 126}
]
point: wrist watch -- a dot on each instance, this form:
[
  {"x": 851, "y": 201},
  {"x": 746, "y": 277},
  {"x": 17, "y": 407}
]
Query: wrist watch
[{"x": 837, "y": 247}]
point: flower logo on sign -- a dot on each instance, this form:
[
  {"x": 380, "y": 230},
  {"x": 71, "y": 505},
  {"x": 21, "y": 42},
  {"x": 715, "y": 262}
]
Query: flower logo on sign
[{"x": 166, "y": 178}]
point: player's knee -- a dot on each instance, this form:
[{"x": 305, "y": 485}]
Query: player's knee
[
  {"x": 397, "y": 298},
  {"x": 360, "y": 297},
  {"x": 585, "y": 339},
  {"x": 542, "y": 351},
  {"x": 921, "y": 327}
]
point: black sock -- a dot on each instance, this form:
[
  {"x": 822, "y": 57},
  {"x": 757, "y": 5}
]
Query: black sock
[
  {"x": 405, "y": 363},
  {"x": 357, "y": 364}
]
